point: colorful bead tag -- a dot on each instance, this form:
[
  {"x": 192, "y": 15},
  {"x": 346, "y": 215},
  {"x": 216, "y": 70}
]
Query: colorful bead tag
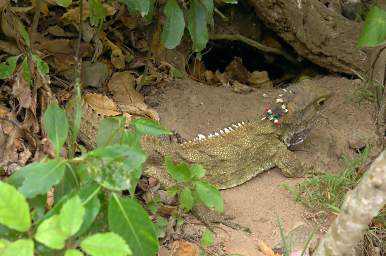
[{"x": 275, "y": 114}]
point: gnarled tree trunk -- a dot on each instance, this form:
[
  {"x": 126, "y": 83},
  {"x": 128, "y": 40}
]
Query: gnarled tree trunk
[{"x": 316, "y": 32}]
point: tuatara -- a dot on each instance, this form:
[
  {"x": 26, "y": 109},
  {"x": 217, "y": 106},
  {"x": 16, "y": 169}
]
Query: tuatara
[{"x": 239, "y": 152}]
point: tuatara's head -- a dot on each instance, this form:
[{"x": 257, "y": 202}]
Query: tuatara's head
[{"x": 305, "y": 101}]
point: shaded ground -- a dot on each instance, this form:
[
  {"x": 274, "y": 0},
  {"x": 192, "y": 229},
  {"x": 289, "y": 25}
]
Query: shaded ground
[{"x": 346, "y": 126}]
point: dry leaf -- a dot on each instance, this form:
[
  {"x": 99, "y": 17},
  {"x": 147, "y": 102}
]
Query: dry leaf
[
  {"x": 260, "y": 79},
  {"x": 3, "y": 4},
  {"x": 184, "y": 248},
  {"x": 122, "y": 86},
  {"x": 264, "y": 248},
  {"x": 237, "y": 71},
  {"x": 9, "y": 48},
  {"x": 42, "y": 6},
  {"x": 22, "y": 91},
  {"x": 10, "y": 24},
  {"x": 94, "y": 74},
  {"x": 57, "y": 46},
  {"x": 117, "y": 56},
  {"x": 103, "y": 105},
  {"x": 72, "y": 15}
]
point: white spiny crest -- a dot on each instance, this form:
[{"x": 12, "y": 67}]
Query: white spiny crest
[{"x": 201, "y": 136}]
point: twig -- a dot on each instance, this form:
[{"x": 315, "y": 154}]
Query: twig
[
  {"x": 78, "y": 60},
  {"x": 77, "y": 87},
  {"x": 33, "y": 31},
  {"x": 255, "y": 44},
  {"x": 219, "y": 13}
]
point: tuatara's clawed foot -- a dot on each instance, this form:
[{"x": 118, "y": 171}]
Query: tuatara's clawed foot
[
  {"x": 210, "y": 218},
  {"x": 312, "y": 171}
]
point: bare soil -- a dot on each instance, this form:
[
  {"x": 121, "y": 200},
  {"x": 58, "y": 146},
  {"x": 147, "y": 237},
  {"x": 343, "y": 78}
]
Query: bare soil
[{"x": 346, "y": 126}]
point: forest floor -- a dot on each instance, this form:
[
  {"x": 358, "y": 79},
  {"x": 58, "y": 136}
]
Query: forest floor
[{"x": 345, "y": 128}]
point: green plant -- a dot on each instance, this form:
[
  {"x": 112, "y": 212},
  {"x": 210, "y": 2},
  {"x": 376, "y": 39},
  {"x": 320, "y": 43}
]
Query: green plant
[
  {"x": 191, "y": 189},
  {"x": 327, "y": 192},
  {"x": 89, "y": 213},
  {"x": 373, "y": 36},
  {"x": 287, "y": 241},
  {"x": 374, "y": 29}
]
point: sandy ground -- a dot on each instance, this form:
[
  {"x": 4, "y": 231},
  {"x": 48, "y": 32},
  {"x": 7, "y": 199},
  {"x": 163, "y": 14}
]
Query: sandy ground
[{"x": 188, "y": 108}]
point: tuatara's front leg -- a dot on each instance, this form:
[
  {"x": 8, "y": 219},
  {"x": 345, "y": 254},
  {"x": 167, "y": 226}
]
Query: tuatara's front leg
[
  {"x": 290, "y": 165},
  {"x": 209, "y": 217}
]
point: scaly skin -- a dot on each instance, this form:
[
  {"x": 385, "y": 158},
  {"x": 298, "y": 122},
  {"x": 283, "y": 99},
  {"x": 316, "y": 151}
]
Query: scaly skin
[{"x": 239, "y": 155}]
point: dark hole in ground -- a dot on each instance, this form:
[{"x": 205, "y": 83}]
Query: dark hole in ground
[{"x": 220, "y": 53}]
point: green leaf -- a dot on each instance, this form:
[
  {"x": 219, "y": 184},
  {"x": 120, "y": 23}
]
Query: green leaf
[
  {"x": 110, "y": 131},
  {"x": 73, "y": 252},
  {"x": 174, "y": 26},
  {"x": 71, "y": 216},
  {"x": 197, "y": 171},
  {"x": 197, "y": 25},
  {"x": 92, "y": 205},
  {"x": 97, "y": 12},
  {"x": 77, "y": 111},
  {"x": 25, "y": 70},
  {"x": 8, "y": 67},
  {"x": 39, "y": 206},
  {"x": 64, "y": 3},
  {"x": 89, "y": 197},
  {"x": 161, "y": 226},
  {"x": 39, "y": 178},
  {"x": 374, "y": 29},
  {"x": 207, "y": 238},
  {"x": 131, "y": 138},
  {"x": 172, "y": 191},
  {"x": 22, "y": 247},
  {"x": 41, "y": 64},
  {"x": 149, "y": 127},
  {"x": 116, "y": 167},
  {"x": 14, "y": 210},
  {"x": 186, "y": 199},
  {"x": 137, "y": 6},
  {"x": 127, "y": 218},
  {"x": 105, "y": 244},
  {"x": 3, "y": 243},
  {"x": 230, "y": 1},
  {"x": 24, "y": 34},
  {"x": 209, "y": 195},
  {"x": 56, "y": 126},
  {"x": 50, "y": 233},
  {"x": 209, "y": 6},
  {"x": 180, "y": 173}
]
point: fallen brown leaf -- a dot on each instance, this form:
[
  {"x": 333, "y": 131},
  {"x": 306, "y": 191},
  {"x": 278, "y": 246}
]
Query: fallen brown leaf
[
  {"x": 184, "y": 248},
  {"x": 101, "y": 104},
  {"x": 264, "y": 248}
]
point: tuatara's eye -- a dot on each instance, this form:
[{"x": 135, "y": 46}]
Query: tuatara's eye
[{"x": 321, "y": 101}]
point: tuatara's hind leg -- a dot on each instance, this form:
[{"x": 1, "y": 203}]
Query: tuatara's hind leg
[{"x": 290, "y": 165}]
